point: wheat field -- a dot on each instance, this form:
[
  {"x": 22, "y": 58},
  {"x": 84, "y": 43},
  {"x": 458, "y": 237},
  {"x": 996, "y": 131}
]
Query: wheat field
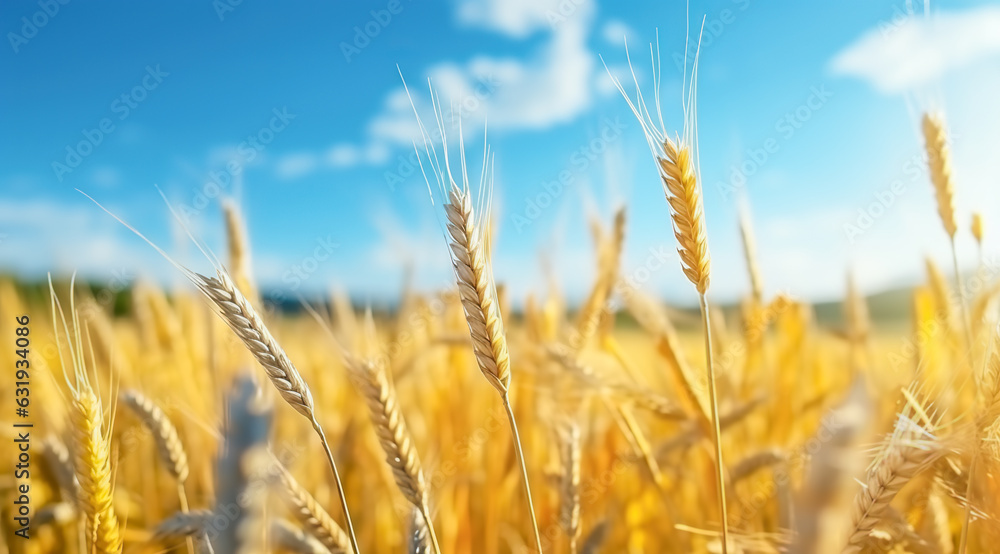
[{"x": 455, "y": 423}]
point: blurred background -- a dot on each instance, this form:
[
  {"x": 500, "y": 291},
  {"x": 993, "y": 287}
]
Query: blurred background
[{"x": 807, "y": 113}]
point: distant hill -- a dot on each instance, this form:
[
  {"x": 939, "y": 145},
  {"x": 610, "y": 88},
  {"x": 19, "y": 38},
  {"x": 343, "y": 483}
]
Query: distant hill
[{"x": 887, "y": 307}]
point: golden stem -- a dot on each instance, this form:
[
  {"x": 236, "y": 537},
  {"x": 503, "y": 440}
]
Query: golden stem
[
  {"x": 524, "y": 469},
  {"x": 426, "y": 513},
  {"x": 961, "y": 298},
  {"x": 340, "y": 486},
  {"x": 714, "y": 400}
]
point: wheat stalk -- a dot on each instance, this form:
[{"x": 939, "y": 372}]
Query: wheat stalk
[
  {"x": 569, "y": 483},
  {"x": 310, "y": 514},
  {"x": 91, "y": 440},
  {"x": 749, "y": 243},
  {"x": 394, "y": 437},
  {"x": 474, "y": 273},
  {"x": 475, "y": 286},
  {"x": 939, "y": 165},
  {"x": 289, "y": 538},
  {"x": 238, "y": 248},
  {"x": 239, "y": 314},
  {"x": 677, "y": 163},
  {"x": 908, "y": 451},
  {"x": 241, "y": 317},
  {"x": 478, "y": 293},
  {"x": 92, "y": 460},
  {"x": 595, "y": 307},
  {"x": 168, "y": 443}
]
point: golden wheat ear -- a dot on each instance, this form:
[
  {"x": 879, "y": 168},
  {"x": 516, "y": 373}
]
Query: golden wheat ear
[
  {"x": 677, "y": 163},
  {"x": 909, "y": 450},
  {"x": 939, "y": 164},
  {"x": 370, "y": 379},
  {"x": 238, "y": 244},
  {"x": 91, "y": 452},
  {"x": 464, "y": 232},
  {"x": 309, "y": 513}
]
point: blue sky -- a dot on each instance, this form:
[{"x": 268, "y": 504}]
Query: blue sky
[{"x": 807, "y": 110}]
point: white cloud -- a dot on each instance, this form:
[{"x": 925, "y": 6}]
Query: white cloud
[
  {"x": 43, "y": 236},
  {"x": 349, "y": 155},
  {"x": 517, "y": 18},
  {"x": 615, "y": 31},
  {"x": 918, "y": 51},
  {"x": 343, "y": 155},
  {"x": 552, "y": 86},
  {"x": 293, "y": 166}
]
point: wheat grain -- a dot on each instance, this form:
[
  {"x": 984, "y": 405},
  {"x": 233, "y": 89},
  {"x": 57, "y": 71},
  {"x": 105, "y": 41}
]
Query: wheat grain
[
  {"x": 474, "y": 274},
  {"x": 241, "y": 317},
  {"x": 91, "y": 440},
  {"x": 168, "y": 443},
  {"x": 909, "y": 451},
  {"x": 939, "y": 163},
  {"x": 569, "y": 489},
  {"x": 289, "y": 538},
  {"x": 683, "y": 192},
  {"x": 749, "y": 243},
  {"x": 237, "y": 312},
  {"x": 594, "y": 309},
  {"x": 92, "y": 460},
  {"x": 310, "y": 514},
  {"x": 475, "y": 285},
  {"x": 393, "y": 435},
  {"x": 238, "y": 248}
]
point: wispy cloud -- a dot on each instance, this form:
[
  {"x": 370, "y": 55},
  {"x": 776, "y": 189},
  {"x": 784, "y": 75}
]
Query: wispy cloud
[
  {"x": 615, "y": 31},
  {"x": 78, "y": 238},
  {"x": 918, "y": 51},
  {"x": 552, "y": 85},
  {"x": 296, "y": 165},
  {"x": 516, "y": 18}
]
